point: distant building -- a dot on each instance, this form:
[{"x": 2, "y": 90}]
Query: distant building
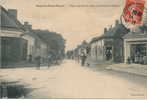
[
  {"x": 82, "y": 48},
  {"x": 109, "y": 46}
]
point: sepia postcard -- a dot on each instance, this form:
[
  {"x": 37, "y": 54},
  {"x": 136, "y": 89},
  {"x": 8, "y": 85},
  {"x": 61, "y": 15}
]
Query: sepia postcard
[{"x": 73, "y": 49}]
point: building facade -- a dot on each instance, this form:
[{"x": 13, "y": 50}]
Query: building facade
[
  {"x": 37, "y": 46},
  {"x": 109, "y": 46},
  {"x": 13, "y": 47},
  {"x": 17, "y": 41},
  {"x": 97, "y": 49},
  {"x": 135, "y": 43}
]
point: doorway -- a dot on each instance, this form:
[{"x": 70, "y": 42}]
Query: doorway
[
  {"x": 108, "y": 53},
  {"x": 138, "y": 51},
  {"x": 13, "y": 50}
]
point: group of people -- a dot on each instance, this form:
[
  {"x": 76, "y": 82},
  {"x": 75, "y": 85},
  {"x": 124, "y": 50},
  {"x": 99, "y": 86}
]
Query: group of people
[
  {"x": 108, "y": 54},
  {"x": 50, "y": 60},
  {"x": 83, "y": 58},
  {"x": 138, "y": 58}
]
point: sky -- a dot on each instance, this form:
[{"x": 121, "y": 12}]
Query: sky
[{"x": 75, "y": 24}]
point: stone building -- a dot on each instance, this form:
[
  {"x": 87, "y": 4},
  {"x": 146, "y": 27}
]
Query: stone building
[
  {"x": 135, "y": 44},
  {"x": 37, "y": 46},
  {"x": 109, "y": 46},
  {"x": 13, "y": 47},
  {"x": 16, "y": 42}
]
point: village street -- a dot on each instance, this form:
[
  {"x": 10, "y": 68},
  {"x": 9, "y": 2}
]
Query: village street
[{"x": 70, "y": 80}]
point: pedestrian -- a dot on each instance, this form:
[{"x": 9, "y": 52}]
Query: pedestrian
[
  {"x": 78, "y": 58},
  {"x": 83, "y": 58},
  {"x": 49, "y": 60},
  {"x": 133, "y": 58},
  {"x": 30, "y": 58},
  {"x": 137, "y": 57},
  {"x": 145, "y": 60},
  {"x": 129, "y": 60},
  {"x": 108, "y": 55},
  {"x": 38, "y": 62},
  {"x": 53, "y": 58}
]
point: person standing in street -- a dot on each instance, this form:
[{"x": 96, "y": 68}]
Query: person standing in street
[
  {"x": 83, "y": 58},
  {"x": 49, "y": 60},
  {"x": 30, "y": 58},
  {"x": 38, "y": 62}
]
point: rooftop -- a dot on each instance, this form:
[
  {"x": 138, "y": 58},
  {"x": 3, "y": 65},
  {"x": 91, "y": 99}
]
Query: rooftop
[
  {"x": 116, "y": 32},
  {"x": 8, "y": 22},
  {"x": 132, "y": 35}
]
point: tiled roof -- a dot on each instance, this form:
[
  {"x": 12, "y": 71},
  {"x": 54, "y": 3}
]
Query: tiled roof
[
  {"x": 135, "y": 35},
  {"x": 34, "y": 32},
  {"x": 116, "y": 32},
  {"x": 7, "y": 22}
]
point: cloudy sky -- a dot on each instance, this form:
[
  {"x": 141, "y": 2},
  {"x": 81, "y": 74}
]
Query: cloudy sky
[{"x": 74, "y": 23}]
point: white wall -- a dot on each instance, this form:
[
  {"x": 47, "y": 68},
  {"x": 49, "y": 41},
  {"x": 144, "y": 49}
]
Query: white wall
[
  {"x": 31, "y": 44},
  {"x": 98, "y": 45}
]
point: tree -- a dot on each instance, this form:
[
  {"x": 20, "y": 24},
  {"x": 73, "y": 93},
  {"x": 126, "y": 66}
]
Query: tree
[{"x": 55, "y": 41}]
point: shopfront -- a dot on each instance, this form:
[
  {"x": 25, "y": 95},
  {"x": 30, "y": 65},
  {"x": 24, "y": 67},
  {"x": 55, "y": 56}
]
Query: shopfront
[
  {"x": 13, "y": 50},
  {"x": 135, "y": 48},
  {"x": 138, "y": 52}
]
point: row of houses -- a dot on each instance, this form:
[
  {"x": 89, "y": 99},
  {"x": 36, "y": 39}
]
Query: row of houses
[
  {"x": 119, "y": 44},
  {"x": 18, "y": 42},
  {"x": 109, "y": 46}
]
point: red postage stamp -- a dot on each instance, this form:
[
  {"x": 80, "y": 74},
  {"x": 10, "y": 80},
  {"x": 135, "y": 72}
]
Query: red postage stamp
[{"x": 133, "y": 11}]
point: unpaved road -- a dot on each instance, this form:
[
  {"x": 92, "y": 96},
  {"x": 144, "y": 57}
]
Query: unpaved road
[{"x": 70, "y": 80}]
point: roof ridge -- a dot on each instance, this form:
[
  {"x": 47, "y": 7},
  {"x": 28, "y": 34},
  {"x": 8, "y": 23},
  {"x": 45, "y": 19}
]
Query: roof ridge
[{"x": 16, "y": 21}]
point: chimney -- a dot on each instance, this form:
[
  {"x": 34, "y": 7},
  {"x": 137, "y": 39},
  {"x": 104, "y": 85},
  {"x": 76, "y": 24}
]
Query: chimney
[
  {"x": 105, "y": 30},
  {"x": 13, "y": 13},
  {"x": 27, "y": 26},
  {"x": 116, "y": 22}
]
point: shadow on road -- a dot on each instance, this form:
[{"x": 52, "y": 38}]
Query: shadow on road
[
  {"x": 134, "y": 78},
  {"x": 13, "y": 90}
]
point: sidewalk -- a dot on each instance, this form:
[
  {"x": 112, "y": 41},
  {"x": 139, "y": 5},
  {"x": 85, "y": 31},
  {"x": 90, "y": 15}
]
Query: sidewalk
[
  {"x": 23, "y": 64},
  {"x": 93, "y": 62},
  {"x": 129, "y": 68}
]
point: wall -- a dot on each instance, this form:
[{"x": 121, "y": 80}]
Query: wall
[
  {"x": 31, "y": 44},
  {"x": 128, "y": 43},
  {"x": 13, "y": 50},
  {"x": 118, "y": 49},
  {"x": 0, "y": 54},
  {"x": 97, "y": 50}
]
